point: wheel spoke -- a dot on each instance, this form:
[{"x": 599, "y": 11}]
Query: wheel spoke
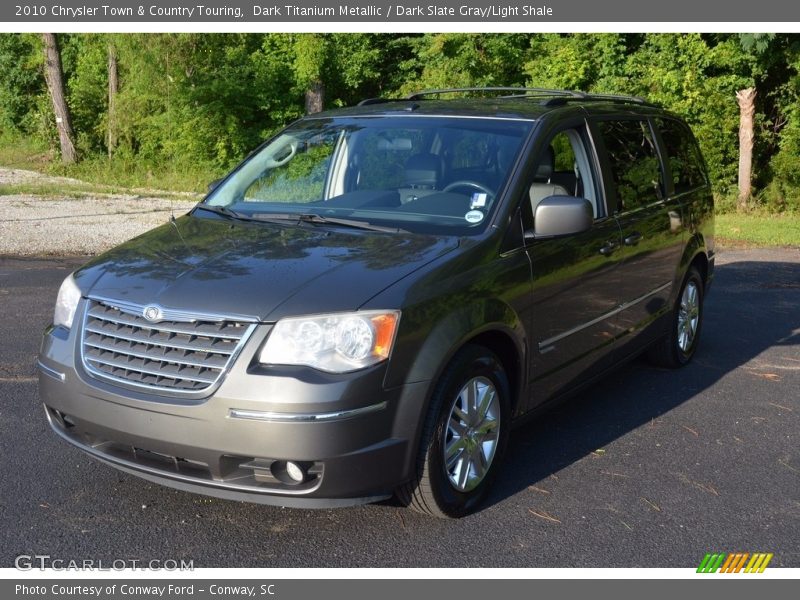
[
  {"x": 463, "y": 472},
  {"x": 480, "y": 463},
  {"x": 490, "y": 436},
  {"x": 459, "y": 414},
  {"x": 472, "y": 400},
  {"x": 453, "y": 453},
  {"x": 486, "y": 427},
  {"x": 457, "y": 426},
  {"x": 452, "y": 462},
  {"x": 487, "y": 398}
]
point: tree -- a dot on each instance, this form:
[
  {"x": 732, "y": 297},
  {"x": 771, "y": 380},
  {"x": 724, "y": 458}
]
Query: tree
[
  {"x": 467, "y": 60},
  {"x": 747, "y": 108},
  {"x": 54, "y": 76},
  {"x": 311, "y": 54}
]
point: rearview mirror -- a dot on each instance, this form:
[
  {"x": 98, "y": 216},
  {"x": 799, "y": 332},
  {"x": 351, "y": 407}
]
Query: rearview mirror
[
  {"x": 395, "y": 145},
  {"x": 213, "y": 185},
  {"x": 557, "y": 216}
]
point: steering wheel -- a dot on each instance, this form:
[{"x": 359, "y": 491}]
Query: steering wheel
[{"x": 466, "y": 183}]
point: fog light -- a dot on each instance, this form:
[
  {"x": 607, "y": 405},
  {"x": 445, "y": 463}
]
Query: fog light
[
  {"x": 295, "y": 472},
  {"x": 291, "y": 472}
]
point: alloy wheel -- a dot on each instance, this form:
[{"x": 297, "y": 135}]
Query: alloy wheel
[
  {"x": 688, "y": 316},
  {"x": 472, "y": 434}
]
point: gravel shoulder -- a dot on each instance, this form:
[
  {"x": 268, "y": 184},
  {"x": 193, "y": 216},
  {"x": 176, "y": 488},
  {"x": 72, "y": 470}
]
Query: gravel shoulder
[{"x": 33, "y": 225}]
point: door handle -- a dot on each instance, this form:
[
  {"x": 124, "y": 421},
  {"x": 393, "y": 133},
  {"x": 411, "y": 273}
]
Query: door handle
[
  {"x": 633, "y": 239},
  {"x": 609, "y": 248}
]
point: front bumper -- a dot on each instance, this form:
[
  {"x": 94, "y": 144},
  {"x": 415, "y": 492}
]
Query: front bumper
[{"x": 355, "y": 440}]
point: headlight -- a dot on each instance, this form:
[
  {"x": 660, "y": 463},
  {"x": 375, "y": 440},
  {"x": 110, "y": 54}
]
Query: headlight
[
  {"x": 336, "y": 343},
  {"x": 68, "y": 297}
]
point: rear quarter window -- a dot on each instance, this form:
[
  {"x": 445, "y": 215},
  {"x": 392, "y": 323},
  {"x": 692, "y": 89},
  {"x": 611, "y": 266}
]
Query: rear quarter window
[
  {"x": 635, "y": 166},
  {"x": 683, "y": 156}
]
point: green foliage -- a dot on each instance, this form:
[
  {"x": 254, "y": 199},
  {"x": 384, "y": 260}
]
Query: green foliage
[
  {"x": 588, "y": 62},
  {"x": 465, "y": 59},
  {"x": 191, "y": 105},
  {"x": 758, "y": 229},
  {"x": 87, "y": 89},
  {"x": 23, "y": 97}
]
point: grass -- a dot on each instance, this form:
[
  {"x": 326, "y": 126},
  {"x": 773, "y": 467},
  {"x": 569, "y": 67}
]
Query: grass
[
  {"x": 135, "y": 174},
  {"x": 757, "y": 229},
  {"x": 109, "y": 174},
  {"x": 78, "y": 190}
]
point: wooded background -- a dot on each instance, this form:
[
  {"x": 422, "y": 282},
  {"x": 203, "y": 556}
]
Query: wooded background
[{"x": 181, "y": 109}]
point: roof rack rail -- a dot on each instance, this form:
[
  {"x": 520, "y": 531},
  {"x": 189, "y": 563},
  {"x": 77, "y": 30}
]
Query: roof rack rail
[
  {"x": 555, "y": 97},
  {"x": 368, "y": 101},
  {"x": 614, "y": 98},
  {"x": 518, "y": 92}
]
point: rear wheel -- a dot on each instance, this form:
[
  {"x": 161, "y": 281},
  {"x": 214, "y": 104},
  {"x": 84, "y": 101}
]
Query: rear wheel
[
  {"x": 677, "y": 347},
  {"x": 463, "y": 437}
]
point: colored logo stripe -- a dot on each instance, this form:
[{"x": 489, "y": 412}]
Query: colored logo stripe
[
  {"x": 734, "y": 562},
  {"x": 710, "y": 563},
  {"x": 758, "y": 563}
]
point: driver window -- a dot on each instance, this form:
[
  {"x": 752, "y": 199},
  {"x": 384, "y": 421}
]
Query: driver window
[
  {"x": 563, "y": 170},
  {"x": 297, "y": 174}
]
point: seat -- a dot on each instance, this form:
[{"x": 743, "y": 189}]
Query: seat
[
  {"x": 422, "y": 176},
  {"x": 542, "y": 187},
  {"x": 423, "y": 171}
]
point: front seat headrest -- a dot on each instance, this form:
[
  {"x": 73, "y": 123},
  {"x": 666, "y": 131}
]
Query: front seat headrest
[
  {"x": 424, "y": 170},
  {"x": 546, "y": 166}
]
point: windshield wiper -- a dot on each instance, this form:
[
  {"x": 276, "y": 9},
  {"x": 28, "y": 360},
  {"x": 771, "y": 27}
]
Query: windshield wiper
[
  {"x": 223, "y": 210},
  {"x": 316, "y": 219}
]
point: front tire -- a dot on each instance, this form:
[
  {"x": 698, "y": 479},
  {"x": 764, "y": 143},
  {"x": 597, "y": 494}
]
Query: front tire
[
  {"x": 463, "y": 438},
  {"x": 678, "y": 346}
]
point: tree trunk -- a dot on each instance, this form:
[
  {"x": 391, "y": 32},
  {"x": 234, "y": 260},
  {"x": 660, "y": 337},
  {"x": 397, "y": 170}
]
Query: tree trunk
[
  {"x": 315, "y": 97},
  {"x": 747, "y": 108},
  {"x": 54, "y": 76},
  {"x": 113, "y": 88}
]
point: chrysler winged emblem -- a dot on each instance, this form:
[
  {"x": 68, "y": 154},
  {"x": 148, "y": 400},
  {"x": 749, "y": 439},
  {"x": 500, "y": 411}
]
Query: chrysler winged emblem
[{"x": 152, "y": 313}]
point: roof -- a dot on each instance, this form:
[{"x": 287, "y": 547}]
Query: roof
[{"x": 518, "y": 103}]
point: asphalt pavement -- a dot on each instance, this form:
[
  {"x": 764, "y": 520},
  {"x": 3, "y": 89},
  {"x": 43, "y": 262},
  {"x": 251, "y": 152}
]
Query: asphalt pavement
[{"x": 650, "y": 468}]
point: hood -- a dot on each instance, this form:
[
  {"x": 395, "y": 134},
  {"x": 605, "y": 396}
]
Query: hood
[{"x": 216, "y": 265}]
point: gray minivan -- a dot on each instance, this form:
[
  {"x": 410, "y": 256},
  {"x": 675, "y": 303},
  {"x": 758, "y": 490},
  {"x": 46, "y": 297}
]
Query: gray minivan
[{"x": 367, "y": 304}]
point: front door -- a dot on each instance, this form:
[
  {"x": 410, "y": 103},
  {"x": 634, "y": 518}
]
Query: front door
[{"x": 575, "y": 288}]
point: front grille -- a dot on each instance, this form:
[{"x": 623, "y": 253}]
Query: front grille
[{"x": 185, "y": 355}]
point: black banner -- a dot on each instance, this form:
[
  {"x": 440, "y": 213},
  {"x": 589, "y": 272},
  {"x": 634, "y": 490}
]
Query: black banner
[
  {"x": 403, "y": 11},
  {"x": 398, "y": 589}
]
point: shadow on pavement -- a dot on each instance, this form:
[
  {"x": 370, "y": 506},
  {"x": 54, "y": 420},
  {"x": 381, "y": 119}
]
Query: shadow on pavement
[{"x": 751, "y": 306}]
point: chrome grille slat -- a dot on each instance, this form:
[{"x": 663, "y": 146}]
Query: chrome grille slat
[
  {"x": 166, "y": 356},
  {"x": 189, "y": 355},
  {"x": 115, "y": 316},
  {"x": 141, "y": 366},
  {"x": 160, "y": 340}
]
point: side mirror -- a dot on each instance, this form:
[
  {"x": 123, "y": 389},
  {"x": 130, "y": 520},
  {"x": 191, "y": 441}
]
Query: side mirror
[
  {"x": 213, "y": 185},
  {"x": 558, "y": 216}
]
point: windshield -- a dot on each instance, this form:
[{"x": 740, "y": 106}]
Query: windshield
[{"x": 427, "y": 174}]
